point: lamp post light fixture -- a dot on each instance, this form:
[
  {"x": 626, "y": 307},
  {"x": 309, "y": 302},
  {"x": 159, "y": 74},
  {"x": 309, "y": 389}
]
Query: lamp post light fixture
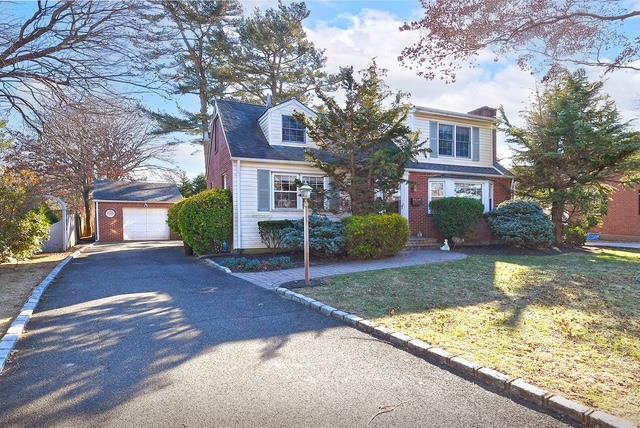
[{"x": 305, "y": 193}]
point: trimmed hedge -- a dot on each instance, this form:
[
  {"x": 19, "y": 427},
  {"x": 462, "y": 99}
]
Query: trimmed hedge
[
  {"x": 173, "y": 217},
  {"x": 373, "y": 236},
  {"x": 455, "y": 216},
  {"x": 522, "y": 223},
  {"x": 205, "y": 221},
  {"x": 272, "y": 232}
]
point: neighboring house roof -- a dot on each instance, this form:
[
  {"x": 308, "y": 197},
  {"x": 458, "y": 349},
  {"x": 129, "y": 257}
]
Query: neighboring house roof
[
  {"x": 497, "y": 169},
  {"x": 136, "y": 191},
  {"x": 448, "y": 113},
  {"x": 246, "y": 140},
  {"x": 245, "y": 137}
]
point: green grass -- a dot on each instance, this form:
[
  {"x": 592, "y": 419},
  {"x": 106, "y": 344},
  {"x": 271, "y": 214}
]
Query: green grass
[{"x": 569, "y": 323}]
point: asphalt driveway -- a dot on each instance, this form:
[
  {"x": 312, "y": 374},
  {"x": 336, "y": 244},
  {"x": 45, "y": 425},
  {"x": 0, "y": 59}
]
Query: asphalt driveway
[{"x": 139, "y": 335}]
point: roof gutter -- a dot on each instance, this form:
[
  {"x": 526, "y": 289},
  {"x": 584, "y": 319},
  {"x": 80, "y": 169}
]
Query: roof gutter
[{"x": 432, "y": 171}]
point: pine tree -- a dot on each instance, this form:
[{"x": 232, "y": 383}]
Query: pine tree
[
  {"x": 188, "y": 40},
  {"x": 365, "y": 145},
  {"x": 273, "y": 57},
  {"x": 572, "y": 145}
]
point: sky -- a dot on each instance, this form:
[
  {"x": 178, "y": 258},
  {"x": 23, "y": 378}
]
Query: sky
[{"x": 353, "y": 32}]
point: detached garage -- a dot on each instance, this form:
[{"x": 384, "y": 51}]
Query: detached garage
[{"x": 133, "y": 210}]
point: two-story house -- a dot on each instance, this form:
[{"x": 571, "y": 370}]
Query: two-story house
[{"x": 258, "y": 153}]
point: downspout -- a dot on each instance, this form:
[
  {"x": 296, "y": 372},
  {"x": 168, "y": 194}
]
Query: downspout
[{"x": 404, "y": 196}]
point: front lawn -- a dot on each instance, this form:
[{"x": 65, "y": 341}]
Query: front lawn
[
  {"x": 569, "y": 323},
  {"x": 18, "y": 280}
]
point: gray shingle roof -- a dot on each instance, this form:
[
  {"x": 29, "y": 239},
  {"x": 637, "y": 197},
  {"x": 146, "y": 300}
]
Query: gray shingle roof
[
  {"x": 136, "y": 191},
  {"x": 497, "y": 169},
  {"x": 245, "y": 137},
  {"x": 246, "y": 140}
]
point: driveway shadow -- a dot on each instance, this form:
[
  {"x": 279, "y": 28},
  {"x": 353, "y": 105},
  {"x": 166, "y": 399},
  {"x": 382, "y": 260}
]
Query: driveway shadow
[{"x": 115, "y": 323}]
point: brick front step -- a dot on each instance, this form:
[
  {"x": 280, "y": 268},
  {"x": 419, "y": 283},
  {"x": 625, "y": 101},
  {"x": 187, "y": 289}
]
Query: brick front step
[{"x": 417, "y": 243}]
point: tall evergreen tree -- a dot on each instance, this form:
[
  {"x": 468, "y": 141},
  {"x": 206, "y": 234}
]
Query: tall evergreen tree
[
  {"x": 572, "y": 144},
  {"x": 273, "y": 57},
  {"x": 365, "y": 145},
  {"x": 188, "y": 40}
]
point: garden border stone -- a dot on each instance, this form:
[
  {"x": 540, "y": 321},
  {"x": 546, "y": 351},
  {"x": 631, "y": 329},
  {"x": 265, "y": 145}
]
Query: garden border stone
[
  {"x": 17, "y": 327},
  {"x": 216, "y": 265},
  {"x": 514, "y": 388}
]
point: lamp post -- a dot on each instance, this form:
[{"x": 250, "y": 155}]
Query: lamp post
[{"x": 305, "y": 193}]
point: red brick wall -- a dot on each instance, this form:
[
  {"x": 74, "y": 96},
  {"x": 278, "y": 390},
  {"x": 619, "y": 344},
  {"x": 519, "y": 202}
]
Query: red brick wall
[
  {"x": 420, "y": 221},
  {"x": 622, "y": 221},
  {"x": 110, "y": 229},
  {"x": 220, "y": 160}
]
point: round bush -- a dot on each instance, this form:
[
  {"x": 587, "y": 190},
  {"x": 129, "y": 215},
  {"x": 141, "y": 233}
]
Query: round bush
[
  {"x": 326, "y": 237},
  {"x": 455, "y": 217},
  {"x": 575, "y": 236},
  {"x": 522, "y": 223},
  {"x": 206, "y": 221},
  {"x": 173, "y": 217},
  {"x": 22, "y": 238},
  {"x": 373, "y": 236}
]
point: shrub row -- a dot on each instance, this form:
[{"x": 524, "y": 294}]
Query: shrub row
[
  {"x": 518, "y": 222},
  {"x": 204, "y": 221},
  {"x": 362, "y": 237}
]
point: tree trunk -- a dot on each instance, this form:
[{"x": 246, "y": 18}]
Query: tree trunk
[
  {"x": 557, "y": 212},
  {"x": 86, "y": 227},
  {"x": 204, "y": 104}
]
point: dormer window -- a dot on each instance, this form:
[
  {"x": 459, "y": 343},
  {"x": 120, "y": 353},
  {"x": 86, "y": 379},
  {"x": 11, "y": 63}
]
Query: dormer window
[{"x": 292, "y": 130}]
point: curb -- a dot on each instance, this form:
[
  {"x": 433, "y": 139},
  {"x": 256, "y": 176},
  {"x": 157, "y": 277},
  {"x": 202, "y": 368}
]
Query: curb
[
  {"x": 216, "y": 265},
  {"x": 13, "y": 334},
  {"x": 514, "y": 388}
]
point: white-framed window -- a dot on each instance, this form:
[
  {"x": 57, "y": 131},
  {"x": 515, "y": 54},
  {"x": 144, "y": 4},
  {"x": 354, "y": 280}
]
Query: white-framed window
[
  {"x": 292, "y": 130},
  {"x": 454, "y": 140},
  {"x": 468, "y": 190},
  {"x": 445, "y": 139},
  {"x": 285, "y": 190},
  {"x": 436, "y": 191},
  {"x": 463, "y": 142},
  {"x": 317, "y": 195},
  {"x": 450, "y": 187}
]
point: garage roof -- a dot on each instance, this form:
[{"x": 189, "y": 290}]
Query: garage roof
[{"x": 136, "y": 191}]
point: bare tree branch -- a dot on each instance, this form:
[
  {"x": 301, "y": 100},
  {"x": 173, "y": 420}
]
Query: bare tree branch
[
  {"x": 542, "y": 35},
  {"x": 81, "y": 142},
  {"x": 68, "y": 47}
]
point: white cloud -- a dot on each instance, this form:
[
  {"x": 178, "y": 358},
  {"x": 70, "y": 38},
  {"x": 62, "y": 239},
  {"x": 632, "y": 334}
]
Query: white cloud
[{"x": 374, "y": 33}]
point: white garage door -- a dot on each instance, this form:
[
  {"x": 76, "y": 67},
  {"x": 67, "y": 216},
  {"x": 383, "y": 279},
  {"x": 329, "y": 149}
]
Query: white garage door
[{"x": 143, "y": 224}]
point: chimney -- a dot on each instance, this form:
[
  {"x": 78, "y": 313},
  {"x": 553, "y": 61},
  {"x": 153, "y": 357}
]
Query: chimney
[
  {"x": 484, "y": 111},
  {"x": 269, "y": 101}
]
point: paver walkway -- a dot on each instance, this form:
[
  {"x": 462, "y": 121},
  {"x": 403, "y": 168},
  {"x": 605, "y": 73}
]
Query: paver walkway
[
  {"x": 142, "y": 336},
  {"x": 614, "y": 244},
  {"x": 406, "y": 258}
]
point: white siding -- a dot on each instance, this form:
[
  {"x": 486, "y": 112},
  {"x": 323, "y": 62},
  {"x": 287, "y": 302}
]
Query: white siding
[
  {"x": 247, "y": 216},
  {"x": 272, "y": 126},
  {"x": 421, "y": 123}
]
